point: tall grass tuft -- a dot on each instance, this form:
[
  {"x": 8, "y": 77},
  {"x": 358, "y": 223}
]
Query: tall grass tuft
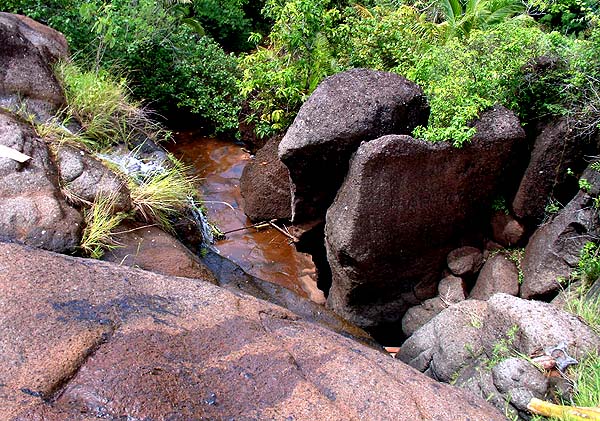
[
  {"x": 100, "y": 221},
  {"x": 103, "y": 106},
  {"x": 163, "y": 194}
]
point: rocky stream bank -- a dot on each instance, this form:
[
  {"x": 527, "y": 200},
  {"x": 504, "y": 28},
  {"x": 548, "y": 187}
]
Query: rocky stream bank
[{"x": 405, "y": 228}]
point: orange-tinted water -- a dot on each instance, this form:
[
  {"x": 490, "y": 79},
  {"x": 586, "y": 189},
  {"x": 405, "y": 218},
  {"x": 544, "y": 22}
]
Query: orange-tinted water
[{"x": 266, "y": 254}]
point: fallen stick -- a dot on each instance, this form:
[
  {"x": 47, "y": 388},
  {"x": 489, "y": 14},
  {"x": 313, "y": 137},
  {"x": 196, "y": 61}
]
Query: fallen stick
[
  {"x": 6, "y": 152},
  {"x": 547, "y": 409},
  {"x": 284, "y": 232},
  {"x": 258, "y": 225}
]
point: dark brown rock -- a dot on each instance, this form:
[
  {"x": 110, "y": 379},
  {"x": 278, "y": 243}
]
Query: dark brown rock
[
  {"x": 404, "y": 205},
  {"x": 85, "y": 339},
  {"x": 32, "y": 207},
  {"x": 465, "y": 261},
  {"x": 507, "y": 230},
  {"x": 556, "y": 148},
  {"x": 498, "y": 275},
  {"x": 265, "y": 185},
  {"x": 49, "y": 42},
  {"x": 346, "y": 109},
  {"x": 26, "y": 78},
  {"x": 553, "y": 250},
  {"x": 152, "y": 249},
  {"x": 85, "y": 178}
]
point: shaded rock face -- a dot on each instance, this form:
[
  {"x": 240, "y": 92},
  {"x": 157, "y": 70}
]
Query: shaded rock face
[
  {"x": 86, "y": 178},
  {"x": 152, "y": 249},
  {"x": 32, "y": 208},
  {"x": 553, "y": 250},
  {"x": 556, "y": 148},
  {"x": 345, "y": 110},
  {"x": 49, "y": 42},
  {"x": 465, "y": 261},
  {"x": 506, "y": 230},
  {"x": 92, "y": 339},
  {"x": 25, "y": 74},
  {"x": 385, "y": 233},
  {"x": 265, "y": 185}
]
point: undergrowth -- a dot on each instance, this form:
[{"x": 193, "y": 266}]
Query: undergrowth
[{"x": 100, "y": 221}]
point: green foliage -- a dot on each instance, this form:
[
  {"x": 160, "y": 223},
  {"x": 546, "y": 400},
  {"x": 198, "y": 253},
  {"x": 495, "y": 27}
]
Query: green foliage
[
  {"x": 503, "y": 347},
  {"x": 567, "y": 16},
  {"x": 588, "y": 267},
  {"x": 585, "y": 185},
  {"x": 225, "y": 21}
]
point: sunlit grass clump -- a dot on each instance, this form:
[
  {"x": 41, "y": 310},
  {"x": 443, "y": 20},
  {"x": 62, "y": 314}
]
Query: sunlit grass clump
[
  {"x": 163, "y": 194},
  {"x": 100, "y": 222}
]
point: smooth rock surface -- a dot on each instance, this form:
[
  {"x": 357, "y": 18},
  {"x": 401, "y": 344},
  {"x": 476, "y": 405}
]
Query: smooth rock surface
[
  {"x": 99, "y": 340},
  {"x": 538, "y": 326},
  {"x": 553, "y": 250},
  {"x": 265, "y": 185},
  {"x": 384, "y": 232},
  {"x": 497, "y": 275},
  {"x": 152, "y": 249},
  {"x": 32, "y": 207},
  {"x": 346, "y": 109},
  {"x": 26, "y": 78}
]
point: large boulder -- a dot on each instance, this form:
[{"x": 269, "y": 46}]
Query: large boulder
[
  {"x": 265, "y": 185},
  {"x": 557, "y": 148},
  {"x": 50, "y": 43},
  {"x": 85, "y": 178},
  {"x": 26, "y": 78},
  {"x": 85, "y": 340},
  {"x": 449, "y": 342},
  {"x": 32, "y": 207},
  {"x": 537, "y": 325},
  {"x": 403, "y": 206},
  {"x": 346, "y": 109},
  {"x": 553, "y": 250}
]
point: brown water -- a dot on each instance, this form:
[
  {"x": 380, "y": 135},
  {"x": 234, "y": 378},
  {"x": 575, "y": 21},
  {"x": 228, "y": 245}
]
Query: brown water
[{"x": 265, "y": 253}]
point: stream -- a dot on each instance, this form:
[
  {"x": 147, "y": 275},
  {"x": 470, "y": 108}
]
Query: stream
[{"x": 265, "y": 253}]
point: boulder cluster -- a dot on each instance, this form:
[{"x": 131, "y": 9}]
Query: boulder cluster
[{"x": 447, "y": 249}]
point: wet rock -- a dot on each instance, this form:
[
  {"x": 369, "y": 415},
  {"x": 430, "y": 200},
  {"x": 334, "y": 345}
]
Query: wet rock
[
  {"x": 452, "y": 289},
  {"x": 507, "y": 230},
  {"x": 519, "y": 381},
  {"x": 538, "y": 326},
  {"x": 32, "y": 208},
  {"x": 384, "y": 233},
  {"x": 152, "y": 249},
  {"x": 346, "y": 109},
  {"x": 26, "y": 79},
  {"x": 553, "y": 250},
  {"x": 498, "y": 275},
  {"x": 556, "y": 148},
  {"x": 86, "y": 178},
  {"x": 465, "y": 261},
  {"x": 147, "y": 346},
  {"x": 265, "y": 185},
  {"x": 450, "y": 341},
  {"x": 50, "y": 43}
]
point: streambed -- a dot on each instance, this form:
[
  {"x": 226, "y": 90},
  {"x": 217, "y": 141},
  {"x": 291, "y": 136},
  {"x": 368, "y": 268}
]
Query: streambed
[{"x": 265, "y": 253}]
